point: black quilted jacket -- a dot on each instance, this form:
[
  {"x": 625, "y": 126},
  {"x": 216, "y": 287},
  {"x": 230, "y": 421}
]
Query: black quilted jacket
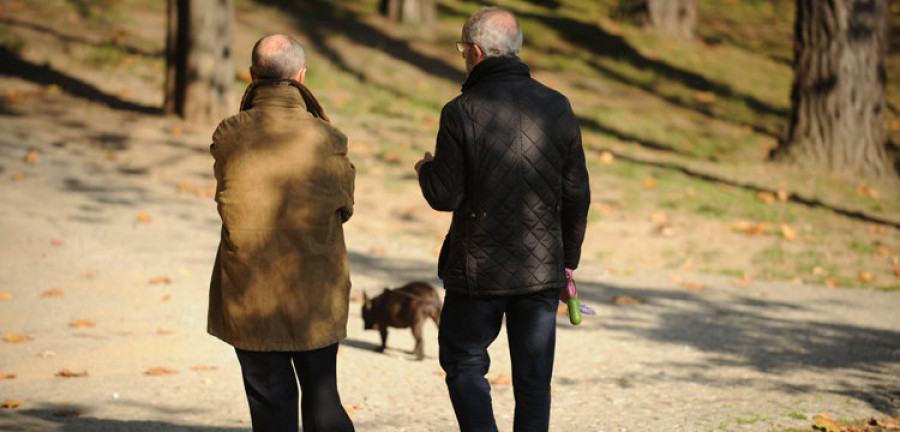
[{"x": 510, "y": 166}]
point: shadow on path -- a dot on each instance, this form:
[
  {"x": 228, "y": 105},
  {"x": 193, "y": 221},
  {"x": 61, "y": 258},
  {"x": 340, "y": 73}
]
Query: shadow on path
[
  {"x": 14, "y": 65},
  {"x": 749, "y": 332},
  {"x": 72, "y": 418}
]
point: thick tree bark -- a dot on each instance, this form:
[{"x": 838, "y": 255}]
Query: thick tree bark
[
  {"x": 674, "y": 18},
  {"x": 838, "y": 95},
  {"x": 422, "y": 12},
  {"x": 200, "y": 67}
]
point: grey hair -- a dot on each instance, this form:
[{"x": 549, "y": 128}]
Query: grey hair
[
  {"x": 496, "y": 38},
  {"x": 277, "y": 57}
]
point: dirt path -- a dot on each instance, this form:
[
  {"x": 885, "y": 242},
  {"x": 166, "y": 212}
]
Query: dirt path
[{"x": 109, "y": 233}]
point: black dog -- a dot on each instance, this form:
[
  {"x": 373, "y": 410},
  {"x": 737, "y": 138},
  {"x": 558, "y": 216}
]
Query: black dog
[{"x": 407, "y": 306}]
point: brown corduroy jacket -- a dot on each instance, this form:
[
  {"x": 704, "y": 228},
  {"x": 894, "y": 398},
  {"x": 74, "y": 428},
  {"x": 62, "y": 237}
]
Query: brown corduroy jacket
[{"x": 285, "y": 185}]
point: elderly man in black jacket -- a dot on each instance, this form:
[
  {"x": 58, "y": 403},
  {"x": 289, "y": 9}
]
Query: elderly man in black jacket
[{"x": 510, "y": 166}]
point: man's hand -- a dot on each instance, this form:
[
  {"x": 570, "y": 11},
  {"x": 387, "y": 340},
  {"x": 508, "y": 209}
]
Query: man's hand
[{"x": 426, "y": 158}]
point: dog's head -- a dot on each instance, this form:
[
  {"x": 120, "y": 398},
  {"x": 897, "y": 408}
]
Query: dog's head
[{"x": 371, "y": 311}]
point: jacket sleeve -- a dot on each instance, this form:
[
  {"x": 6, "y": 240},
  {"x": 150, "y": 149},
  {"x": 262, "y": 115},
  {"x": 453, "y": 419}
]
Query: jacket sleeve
[
  {"x": 442, "y": 180},
  {"x": 576, "y": 198}
]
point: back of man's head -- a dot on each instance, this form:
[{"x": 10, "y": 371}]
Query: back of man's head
[
  {"x": 496, "y": 31},
  {"x": 277, "y": 56}
]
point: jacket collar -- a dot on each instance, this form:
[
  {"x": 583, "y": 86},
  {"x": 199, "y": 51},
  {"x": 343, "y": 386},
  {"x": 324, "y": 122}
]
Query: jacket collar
[
  {"x": 496, "y": 68},
  {"x": 285, "y": 93}
]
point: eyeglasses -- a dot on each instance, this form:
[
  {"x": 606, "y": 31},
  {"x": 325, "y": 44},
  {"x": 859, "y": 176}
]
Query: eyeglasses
[{"x": 461, "y": 46}]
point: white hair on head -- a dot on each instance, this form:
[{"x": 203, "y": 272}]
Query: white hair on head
[
  {"x": 277, "y": 56},
  {"x": 496, "y": 31}
]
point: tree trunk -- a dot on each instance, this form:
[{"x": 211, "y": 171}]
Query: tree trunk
[
  {"x": 673, "y": 18},
  {"x": 838, "y": 94},
  {"x": 417, "y": 12},
  {"x": 200, "y": 67}
]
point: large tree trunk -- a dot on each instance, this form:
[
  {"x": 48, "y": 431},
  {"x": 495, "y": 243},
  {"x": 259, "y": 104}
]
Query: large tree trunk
[
  {"x": 838, "y": 95},
  {"x": 423, "y": 12},
  {"x": 200, "y": 67},
  {"x": 673, "y": 18}
]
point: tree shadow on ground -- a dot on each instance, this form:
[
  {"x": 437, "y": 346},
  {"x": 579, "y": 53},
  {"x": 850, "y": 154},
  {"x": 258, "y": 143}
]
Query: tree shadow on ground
[
  {"x": 751, "y": 332},
  {"x": 598, "y": 42},
  {"x": 73, "y": 418},
  {"x": 15, "y": 66},
  {"x": 808, "y": 202},
  {"x": 320, "y": 19}
]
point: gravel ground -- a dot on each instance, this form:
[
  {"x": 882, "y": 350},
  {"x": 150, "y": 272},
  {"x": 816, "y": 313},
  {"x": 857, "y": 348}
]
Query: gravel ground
[{"x": 109, "y": 234}]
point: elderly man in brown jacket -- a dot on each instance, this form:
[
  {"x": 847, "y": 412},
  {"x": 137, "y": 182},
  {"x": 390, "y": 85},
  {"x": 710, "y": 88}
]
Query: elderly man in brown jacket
[{"x": 280, "y": 286}]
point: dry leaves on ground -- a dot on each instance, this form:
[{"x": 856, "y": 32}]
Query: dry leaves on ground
[
  {"x": 160, "y": 371},
  {"x": 53, "y": 293},
  {"x": 82, "y": 323},
  {"x": 65, "y": 373},
  {"x": 501, "y": 379},
  {"x": 14, "y": 338},
  {"x": 10, "y": 404},
  {"x": 623, "y": 300}
]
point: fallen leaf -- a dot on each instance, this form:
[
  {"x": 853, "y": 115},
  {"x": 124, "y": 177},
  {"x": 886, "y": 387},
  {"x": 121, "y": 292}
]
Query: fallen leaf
[
  {"x": 607, "y": 158},
  {"x": 160, "y": 280},
  {"x": 159, "y": 371},
  {"x": 788, "y": 232},
  {"x": 695, "y": 286},
  {"x": 897, "y": 272},
  {"x": 201, "y": 368},
  {"x": 648, "y": 183},
  {"x": 705, "y": 97},
  {"x": 65, "y": 373},
  {"x": 742, "y": 282},
  {"x": 766, "y": 197},
  {"x": 167, "y": 297},
  {"x": 143, "y": 217},
  {"x": 163, "y": 332},
  {"x": 658, "y": 218},
  {"x": 889, "y": 423},
  {"x": 831, "y": 282},
  {"x": 5, "y": 296},
  {"x": 82, "y": 323},
  {"x": 187, "y": 187},
  {"x": 11, "y": 404},
  {"x": 866, "y": 191},
  {"x": 392, "y": 158},
  {"x": 53, "y": 293},
  {"x": 31, "y": 157},
  {"x": 676, "y": 278},
  {"x": 6, "y": 376},
  {"x": 353, "y": 408},
  {"x": 501, "y": 380},
  {"x": 562, "y": 310},
  {"x": 865, "y": 276},
  {"x": 760, "y": 228},
  {"x": 16, "y": 338},
  {"x": 895, "y": 125},
  {"x": 783, "y": 195},
  {"x": 883, "y": 250},
  {"x": 825, "y": 423},
  {"x": 625, "y": 300},
  {"x": 17, "y": 177}
]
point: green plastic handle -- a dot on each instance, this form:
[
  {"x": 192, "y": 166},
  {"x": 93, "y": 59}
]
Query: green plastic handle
[{"x": 574, "y": 310}]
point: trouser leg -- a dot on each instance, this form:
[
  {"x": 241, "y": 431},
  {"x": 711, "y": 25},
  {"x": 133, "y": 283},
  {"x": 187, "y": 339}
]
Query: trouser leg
[
  {"x": 271, "y": 390},
  {"x": 468, "y": 325},
  {"x": 531, "y": 329},
  {"x": 320, "y": 404}
]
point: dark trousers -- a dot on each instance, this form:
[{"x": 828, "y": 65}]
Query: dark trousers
[
  {"x": 469, "y": 325},
  {"x": 271, "y": 386}
]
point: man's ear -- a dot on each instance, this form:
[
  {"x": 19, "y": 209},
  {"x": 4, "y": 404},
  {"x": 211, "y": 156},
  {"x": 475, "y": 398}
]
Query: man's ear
[
  {"x": 252, "y": 74},
  {"x": 301, "y": 76},
  {"x": 479, "y": 53}
]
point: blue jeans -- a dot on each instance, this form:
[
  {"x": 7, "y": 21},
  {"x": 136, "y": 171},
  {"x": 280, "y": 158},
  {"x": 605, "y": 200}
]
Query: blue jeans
[
  {"x": 271, "y": 386},
  {"x": 469, "y": 325}
]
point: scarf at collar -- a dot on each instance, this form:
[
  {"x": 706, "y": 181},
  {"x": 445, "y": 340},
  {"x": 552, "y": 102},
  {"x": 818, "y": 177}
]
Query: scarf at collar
[
  {"x": 312, "y": 105},
  {"x": 496, "y": 68}
]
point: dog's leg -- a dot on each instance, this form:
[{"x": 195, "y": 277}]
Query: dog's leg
[
  {"x": 419, "y": 351},
  {"x": 383, "y": 332}
]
